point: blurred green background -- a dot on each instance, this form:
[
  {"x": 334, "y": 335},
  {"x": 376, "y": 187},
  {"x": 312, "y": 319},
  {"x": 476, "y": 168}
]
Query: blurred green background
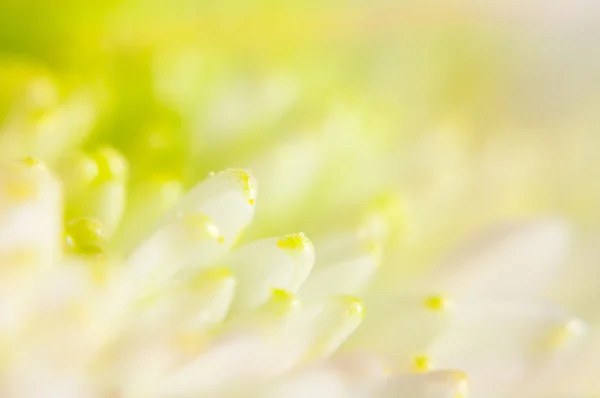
[{"x": 471, "y": 112}]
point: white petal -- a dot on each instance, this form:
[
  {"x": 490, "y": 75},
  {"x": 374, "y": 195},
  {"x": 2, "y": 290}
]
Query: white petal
[
  {"x": 345, "y": 265},
  {"x": 346, "y": 373},
  {"x": 30, "y": 213},
  {"x": 512, "y": 259},
  {"x": 200, "y": 228},
  {"x": 30, "y": 237},
  {"x": 337, "y": 376},
  {"x": 573, "y": 372},
  {"x": 231, "y": 360},
  {"x": 39, "y": 380},
  {"x": 194, "y": 305},
  {"x": 400, "y": 329},
  {"x": 319, "y": 382},
  {"x": 137, "y": 362},
  {"x": 270, "y": 319},
  {"x": 193, "y": 241},
  {"x": 323, "y": 326},
  {"x": 360, "y": 367},
  {"x": 439, "y": 384},
  {"x": 499, "y": 343},
  {"x": 227, "y": 198},
  {"x": 259, "y": 267}
]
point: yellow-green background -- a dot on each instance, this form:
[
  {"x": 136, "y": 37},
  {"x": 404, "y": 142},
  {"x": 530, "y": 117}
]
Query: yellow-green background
[{"x": 472, "y": 112}]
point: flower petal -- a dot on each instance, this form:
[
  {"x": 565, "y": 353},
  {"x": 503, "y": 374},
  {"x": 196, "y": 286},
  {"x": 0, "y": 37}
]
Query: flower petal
[
  {"x": 259, "y": 267},
  {"x": 30, "y": 214},
  {"x": 513, "y": 259},
  {"x": 347, "y": 270}
]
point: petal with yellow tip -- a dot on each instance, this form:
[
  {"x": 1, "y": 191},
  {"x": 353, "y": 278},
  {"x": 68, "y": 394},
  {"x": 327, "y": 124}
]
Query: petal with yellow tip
[
  {"x": 225, "y": 198},
  {"x": 280, "y": 263},
  {"x": 324, "y": 325}
]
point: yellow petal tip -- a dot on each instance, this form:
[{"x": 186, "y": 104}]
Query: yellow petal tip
[
  {"x": 296, "y": 241},
  {"x": 462, "y": 384},
  {"x": 282, "y": 301},
  {"x": 421, "y": 364},
  {"x": 568, "y": 333},
  {"x": 30, "y": 163},
  {"x": 247, "y": 183},
  {"x": 355, "y": 307},
  {"x": 438, "y": 303}
]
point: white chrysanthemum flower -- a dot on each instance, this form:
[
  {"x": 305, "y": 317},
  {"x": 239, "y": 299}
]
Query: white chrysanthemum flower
[
  {"x": 187, "y": 314},
  {"x": 385, "y": 132}
]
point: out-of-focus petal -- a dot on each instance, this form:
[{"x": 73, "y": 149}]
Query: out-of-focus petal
[
  {"x": 438, "y": 384},
  {"x": 104, "y": 197},
  {"x": 499, "y": 343},
  {"x": 399, "y": 329},
  {"x": 513, "y": 259},
  {"x": 227, "y": 363},
  {"x": 30, "y": 213}
]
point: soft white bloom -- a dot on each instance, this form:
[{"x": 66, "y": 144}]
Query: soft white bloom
[{"x": 186, "y": 315}]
